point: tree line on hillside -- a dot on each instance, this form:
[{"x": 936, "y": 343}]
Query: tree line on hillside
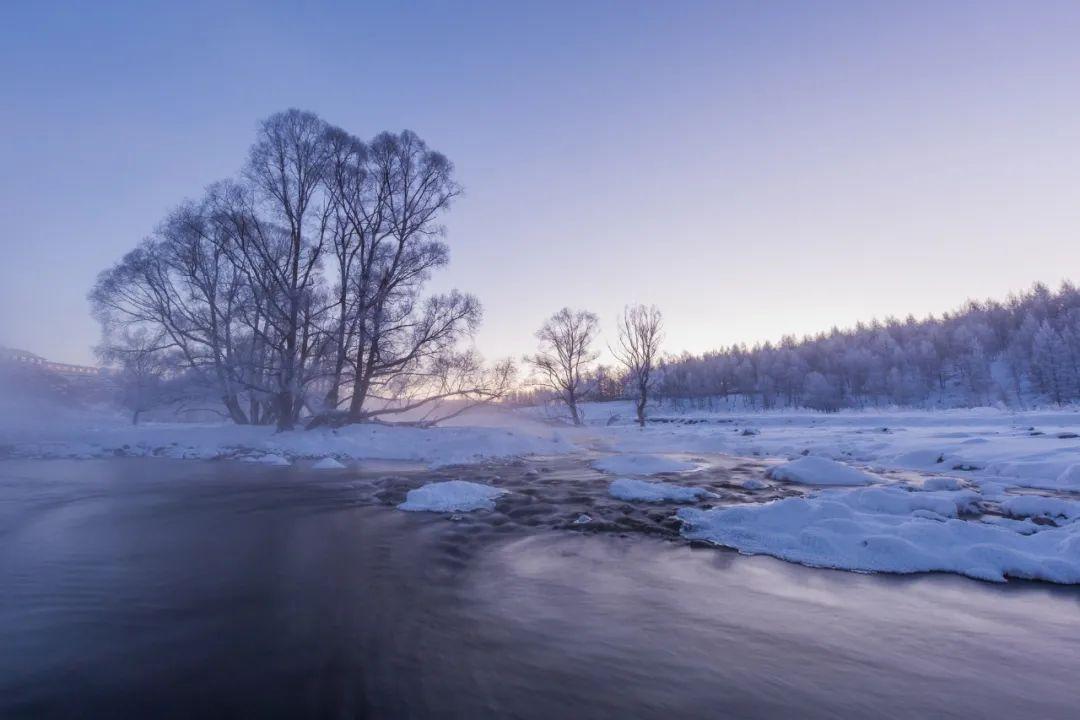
[{"x": 1018, "y": 353}]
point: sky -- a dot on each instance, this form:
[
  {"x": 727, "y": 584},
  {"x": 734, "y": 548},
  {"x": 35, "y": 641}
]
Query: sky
[{"x": 754, "y": 169}]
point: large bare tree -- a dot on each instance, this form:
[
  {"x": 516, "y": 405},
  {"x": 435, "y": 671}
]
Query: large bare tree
[
  {"x": 300, "y": 286},
  {"x": 565, "y": 353},
  {"x": 640, "y": 332}
]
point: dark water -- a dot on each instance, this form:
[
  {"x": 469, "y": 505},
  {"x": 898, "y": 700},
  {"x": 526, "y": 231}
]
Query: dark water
[{"x": 153, "y": 588}]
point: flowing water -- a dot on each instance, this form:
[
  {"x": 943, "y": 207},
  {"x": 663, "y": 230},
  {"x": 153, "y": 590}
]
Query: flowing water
[{"x": 156, "y": 588}]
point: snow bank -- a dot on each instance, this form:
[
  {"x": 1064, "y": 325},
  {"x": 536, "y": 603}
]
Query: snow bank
[
  {"x": 813, "y": 470},
  {"x": 642, "y": 465},
  {"x": 640, "y": 490},
  {"x": 328, "y": 463},
  {"x": 942, "y": 483},
  {"x": 1026, "y": 506},
  {"x": 101, "y": 435},
  {"x": 451, "y": 495},
  {"x": 270, "y": 459},
  {"x": 889, "y": 529}
]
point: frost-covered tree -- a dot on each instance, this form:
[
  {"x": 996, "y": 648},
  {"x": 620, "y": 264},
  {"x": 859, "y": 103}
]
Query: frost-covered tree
[
  {"x": 640, "y": 332},
  {"x": 562, "y": 361}
]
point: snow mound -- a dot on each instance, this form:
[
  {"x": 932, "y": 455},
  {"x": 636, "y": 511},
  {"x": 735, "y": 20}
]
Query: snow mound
[
  {"x": 627, "y": 489},
  {"x": 270, "y": 459},
  {"x": 1026, "y": 506},
  {"x": 1070, "y": 478},
  {"x": 328, "y": 463},
  {"x": 889, "y": 529},
  {"x": 451, "y": 495},
  {"x": 942, "y": 483},
  {"x": 813, "y": 470},
  {"x": 642, "y": 465}
]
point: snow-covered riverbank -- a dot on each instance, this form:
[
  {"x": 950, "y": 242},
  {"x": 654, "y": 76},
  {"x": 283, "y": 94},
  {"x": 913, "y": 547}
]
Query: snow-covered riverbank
[{"x": 984, "y": 493}]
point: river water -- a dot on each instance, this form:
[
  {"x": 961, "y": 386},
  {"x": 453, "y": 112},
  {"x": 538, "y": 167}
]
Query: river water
[{"x": 145, "y": 588}]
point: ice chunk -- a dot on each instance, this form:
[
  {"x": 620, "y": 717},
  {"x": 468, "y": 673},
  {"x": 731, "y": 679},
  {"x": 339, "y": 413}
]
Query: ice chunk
[
  {"x": 889, "y": 529},
  {"x": 813, "y": 470},
  {"x": 629, "y": 489},
  {"x": 451, "y": 495},
  {"x": 270, "y": 459},
  {"x": 1025, "y": 506},
  {"x": 328, "y": 463},
  {"x": 942, "y": 483}
]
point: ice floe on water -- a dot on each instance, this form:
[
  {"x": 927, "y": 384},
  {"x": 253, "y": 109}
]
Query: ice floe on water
[
  {"x": 813, "y": 470},
  {"x": 892, "y": 529},
  {"x": 638, "y": 464},
  {"x": 639, "y": 490},
  {"x": 451, "y": 496},
  {"x": 270, "y": 459},
  {"x": 328, "y": 463},
  {"x": 1031, "y": 506}
]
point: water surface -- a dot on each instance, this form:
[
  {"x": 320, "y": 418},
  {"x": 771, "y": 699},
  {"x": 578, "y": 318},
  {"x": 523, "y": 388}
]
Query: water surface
[{"x": 155, "y": 588}]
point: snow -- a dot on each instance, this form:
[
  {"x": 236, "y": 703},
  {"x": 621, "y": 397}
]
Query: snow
[
  {"x": 640, "y": 490},
  {"x": 328, "y": 463},
  {"x": 270, "y": 459},
  {"x": 942, "y": 483},
  {"x": 451, "y": 496},
  {"x": 890, "y": 529},
  {"x": 1028, "y": 506},
  {"x": 60, "y": 433},
  {"x": 819, "y": 471},
  {"x": 631, "y": 464}
]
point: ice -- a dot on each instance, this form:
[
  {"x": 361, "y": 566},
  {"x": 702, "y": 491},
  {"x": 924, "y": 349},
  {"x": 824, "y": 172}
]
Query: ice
[
  {"x": 634, "y": 464},
  {"x": 889, "y": 529},
  {"x": 1029, "y": 506},
  {"x": 328, "y": 463},
  {"x": 813, "y": 470},
  {"x": 640, "y": 490},
  {"x": 271, "y": 459},
  {"x": 451, "y": 495},
  {"x": 942, "y": 483}
]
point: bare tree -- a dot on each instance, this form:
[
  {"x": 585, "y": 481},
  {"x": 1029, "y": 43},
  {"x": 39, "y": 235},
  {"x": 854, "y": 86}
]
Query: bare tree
[
  {"x": 640, "y": 334},
  {"x": 141, "y": 367},
  {"x": 299, "y": 287},
  {"x": 564, "y": 355}
]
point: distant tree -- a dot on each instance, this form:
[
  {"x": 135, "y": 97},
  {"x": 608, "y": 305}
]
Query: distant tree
[
  {"x": 565, "y": 353},
  {"x": 640, "y": 331},
  {"x": 141, "y": 376},
  {"x": 820, "y": 394}
]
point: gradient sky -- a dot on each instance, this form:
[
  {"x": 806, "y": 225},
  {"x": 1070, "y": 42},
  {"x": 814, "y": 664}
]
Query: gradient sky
[{"x": 753, "y": 168}]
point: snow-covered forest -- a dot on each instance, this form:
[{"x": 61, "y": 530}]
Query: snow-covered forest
[{"x": 1018, "y": 353}]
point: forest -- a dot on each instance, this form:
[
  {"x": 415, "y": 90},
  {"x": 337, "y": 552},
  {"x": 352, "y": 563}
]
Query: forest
[{"x": 1019, "y": 353}]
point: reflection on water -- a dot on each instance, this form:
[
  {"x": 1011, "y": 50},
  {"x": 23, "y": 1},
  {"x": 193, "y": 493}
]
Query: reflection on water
[{"x": 150, "y": 588}]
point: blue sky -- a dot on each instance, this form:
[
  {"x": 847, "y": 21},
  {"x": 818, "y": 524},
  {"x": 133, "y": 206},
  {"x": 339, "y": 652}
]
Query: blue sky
[{"x": 752, "y": 168}]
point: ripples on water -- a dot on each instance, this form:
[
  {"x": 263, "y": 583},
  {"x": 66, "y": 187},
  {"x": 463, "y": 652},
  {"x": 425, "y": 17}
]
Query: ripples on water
[{"x": 153, "y": 588}]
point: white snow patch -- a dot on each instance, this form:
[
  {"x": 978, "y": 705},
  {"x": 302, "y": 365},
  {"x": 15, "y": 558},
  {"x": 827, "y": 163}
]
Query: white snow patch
[
  {"x": 812, "y": 470},
  {"x": 640, "y": 490},
  {"x": 451, "y": 495},
  {"x": 1026, "y": 506},
  {"x": 889, "y": 529},
  {"x": 942, "y": 483},
  {"x": 270, "y": 459},
  {"x": 631, "y": 464},
  {"x": 328, "y": 463}
]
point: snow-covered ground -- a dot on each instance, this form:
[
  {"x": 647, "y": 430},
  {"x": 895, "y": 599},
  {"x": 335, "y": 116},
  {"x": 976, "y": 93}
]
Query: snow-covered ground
[{"x": 52, "y": 432}]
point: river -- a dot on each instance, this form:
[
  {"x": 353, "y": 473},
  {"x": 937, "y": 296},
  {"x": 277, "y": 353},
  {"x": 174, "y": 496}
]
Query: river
[{"x": 144, "y": 588}]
